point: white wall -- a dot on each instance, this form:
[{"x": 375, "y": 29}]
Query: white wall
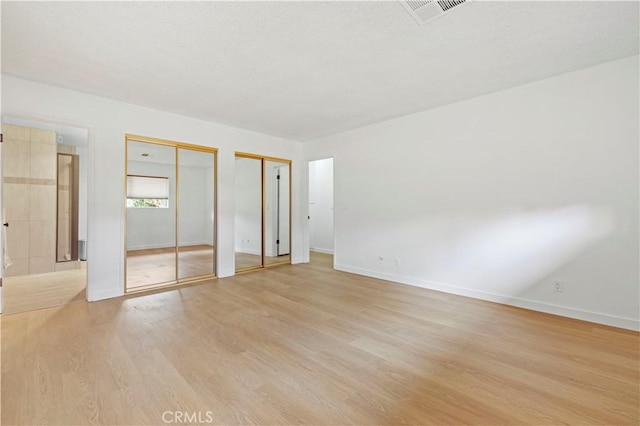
[
  {"x": 108, "y": 121},
  {"x": 321, "y": 205},
  {"x": 196, "y": 207},
  {"x": 498, "y": 196}
]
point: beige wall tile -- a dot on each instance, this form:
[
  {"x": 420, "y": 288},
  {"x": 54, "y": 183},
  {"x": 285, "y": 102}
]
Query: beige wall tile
[
  {"x": 43, "y": 136},
  {"x": 18, "y": 239},
  {"x": 16, "y": 132},
  {"x": 15, "y": 201},
  {"x": 41, "y": 265},
  {"x": 67, "y": 266},
  {"x": 18, "y": 267},
  {"x": 16, "y": 158},
  {"x": 42, "y": 238},
  {"x": 66, "y": 149},
  {"x": 42, "y": 202},
  {"x": 43, "y": 160}
]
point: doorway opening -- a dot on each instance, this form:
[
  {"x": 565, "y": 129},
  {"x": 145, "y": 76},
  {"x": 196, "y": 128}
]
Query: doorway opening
[
  {"x": 44, "y": 214},
  {"x": 321, "y": 210}
]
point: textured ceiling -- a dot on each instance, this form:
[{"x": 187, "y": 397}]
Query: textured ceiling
[{"x": 305, "y": 69}]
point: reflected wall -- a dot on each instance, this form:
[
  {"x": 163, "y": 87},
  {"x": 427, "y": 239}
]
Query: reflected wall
[
  {"x": 248, "y": 213},
  {"x": 196, "y": 217}
]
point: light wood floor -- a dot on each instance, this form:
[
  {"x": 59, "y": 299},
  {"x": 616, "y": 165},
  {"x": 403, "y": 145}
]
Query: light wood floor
[
  {"x": 30, "y": 292},
  {"x": 306, "y": 344},
  {"x": 156, "y": 266}
]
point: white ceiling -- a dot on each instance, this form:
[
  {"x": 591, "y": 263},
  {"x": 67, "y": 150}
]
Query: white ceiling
[{"x": 301, "y": 70}]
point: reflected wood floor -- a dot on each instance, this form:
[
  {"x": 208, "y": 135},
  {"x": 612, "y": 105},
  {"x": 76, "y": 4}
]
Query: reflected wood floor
[
  {"x": 29, "y": 292},
  {"x": 306, "y": 344},
  {"x": 155, "y": 266},
  {"x": 246, "y": 260}
]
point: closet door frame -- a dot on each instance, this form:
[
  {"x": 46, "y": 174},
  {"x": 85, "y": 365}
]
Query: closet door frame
[
  {"x": 177, "y": 146},
  {"x": 263, "y": 185}
]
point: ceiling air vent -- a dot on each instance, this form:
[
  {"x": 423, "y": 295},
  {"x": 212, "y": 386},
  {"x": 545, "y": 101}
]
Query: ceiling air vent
[{"x": 426, "y": 10}]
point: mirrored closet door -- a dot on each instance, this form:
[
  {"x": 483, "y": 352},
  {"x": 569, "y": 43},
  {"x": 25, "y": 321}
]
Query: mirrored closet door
[
  {"x": 170, "y": 199},
  {"x": 248, "y": 213},
  {"x": 196, "y": 213},
  {"x": 262, "y": 211},
  {"x": 151, "y": 214}
]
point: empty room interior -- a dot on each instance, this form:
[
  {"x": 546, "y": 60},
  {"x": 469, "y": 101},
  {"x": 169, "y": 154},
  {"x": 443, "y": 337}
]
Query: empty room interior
[{"x": 320, "y": 212}]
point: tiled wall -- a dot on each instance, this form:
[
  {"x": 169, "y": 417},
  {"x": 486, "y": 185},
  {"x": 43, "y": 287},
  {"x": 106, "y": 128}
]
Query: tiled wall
[{"x": 29, "y": 173}]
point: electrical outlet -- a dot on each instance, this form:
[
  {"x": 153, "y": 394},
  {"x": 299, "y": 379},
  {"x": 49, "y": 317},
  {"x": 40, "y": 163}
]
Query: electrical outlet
[
  {"x": 558, "y": 286},
  {"x": 397, "y": 262}
]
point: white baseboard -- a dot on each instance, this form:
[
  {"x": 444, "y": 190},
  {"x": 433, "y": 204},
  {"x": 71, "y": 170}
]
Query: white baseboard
[
  {"x": 596, "y": 317},
  {"x": 321, "y": 250},
  {"x": 93, "y": 296},
  {"x": 197, "y": 243}
]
